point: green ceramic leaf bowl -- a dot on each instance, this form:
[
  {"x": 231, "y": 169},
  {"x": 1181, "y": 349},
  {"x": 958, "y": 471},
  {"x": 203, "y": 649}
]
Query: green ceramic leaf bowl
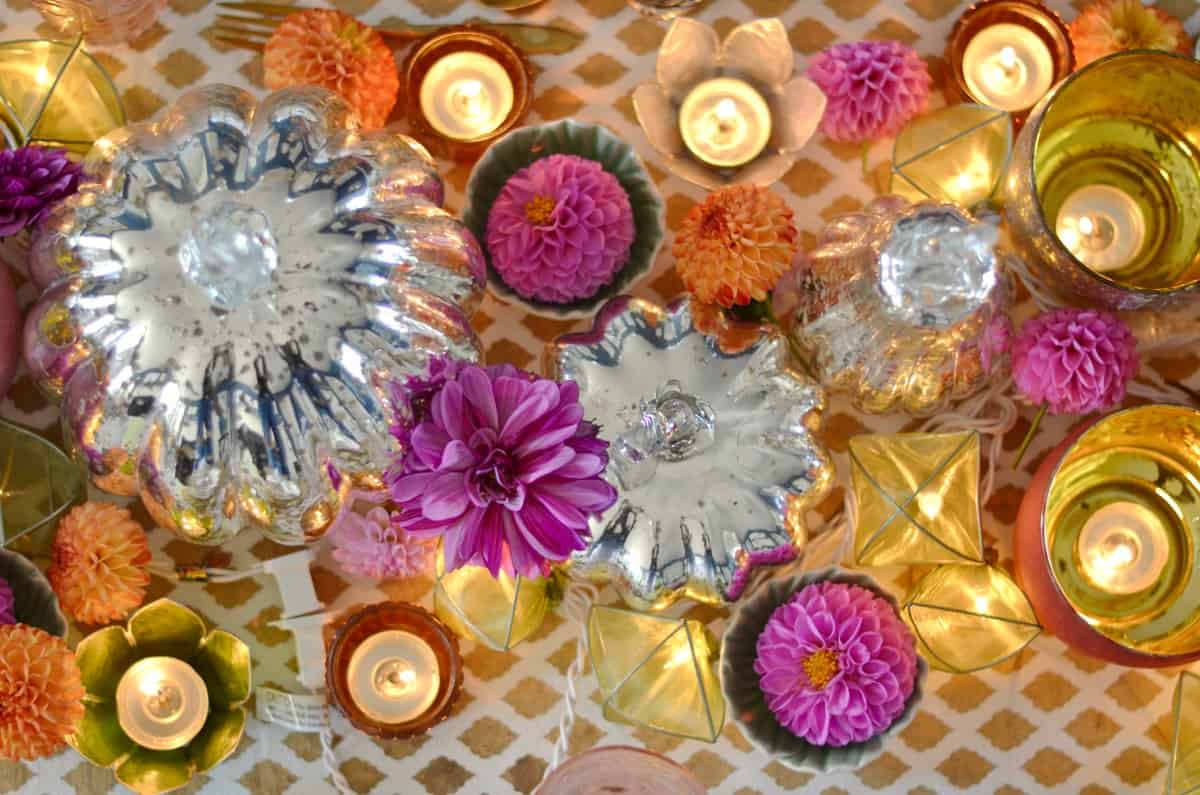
[
  {"x": 745, "y": 700},
  {"x": 161, "y": 629},
  {"x": 34, "y": 601},
  {"x": 520, "y": 148}
]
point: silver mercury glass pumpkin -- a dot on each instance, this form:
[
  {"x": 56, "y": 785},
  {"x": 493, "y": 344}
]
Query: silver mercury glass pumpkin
[{"x": 227, "y": 297}]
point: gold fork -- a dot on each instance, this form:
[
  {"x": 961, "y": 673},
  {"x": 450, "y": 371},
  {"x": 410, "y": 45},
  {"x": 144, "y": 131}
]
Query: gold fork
[{"x": 254, "y": 22}]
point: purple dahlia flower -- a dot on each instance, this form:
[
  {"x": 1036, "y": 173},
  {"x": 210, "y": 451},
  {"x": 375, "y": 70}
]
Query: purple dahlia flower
[
  {"x": 560, "y": 229},
  {"x": 836, "y": 664},
  {"x": 1074, "y": 360},
  {"x": 502, "y": 466},
  {"x": 32, "y": 180}
]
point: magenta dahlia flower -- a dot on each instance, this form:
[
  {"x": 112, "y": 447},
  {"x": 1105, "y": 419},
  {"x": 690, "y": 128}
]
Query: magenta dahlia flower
[
  {"x": 32, "y": 180},
  {"x": 373, "y": 544},
  {"x": 872, "y": 88},
  {"x": 560, "y": 229},
  {"x": 8, "y": 613},
  {"x": 1074, "y": 361},
  {"x": 836, "y": 664},
  {"x": 502, "y": 466}
]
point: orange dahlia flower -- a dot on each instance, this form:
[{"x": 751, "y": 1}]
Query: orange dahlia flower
[
  {"x": 41, "y": 693},
  {"x": 1109, "y": 26},
  {"x": 335, "y": 51},
  {"x": 98, "y": 566},
  {"x": 734, "y": 247}
]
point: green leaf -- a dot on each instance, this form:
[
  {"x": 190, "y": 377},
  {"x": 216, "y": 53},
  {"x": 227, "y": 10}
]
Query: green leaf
[
  {"x": 218, "y": 739},
  {"x": 166, "y": 629},
  {"x": 224, "y": 662},
  {"x": 99, "y": 737},
  {"x": 103, "y": 657},
  {"x": 149, "y": 772}
]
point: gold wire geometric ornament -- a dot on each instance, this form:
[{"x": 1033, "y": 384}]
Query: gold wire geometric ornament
[
  {"x": 1183, "y": 771},
  {"x": 54, "y": 94},
  {"x": 499, "y": 612},
  {"x": 38, "y": 483},
  {"x": 956, "y": 154},
  {"x": 657, "y": 672},
  {"x": 967, "y": 617},
  {"x": 916, "y": 498}
]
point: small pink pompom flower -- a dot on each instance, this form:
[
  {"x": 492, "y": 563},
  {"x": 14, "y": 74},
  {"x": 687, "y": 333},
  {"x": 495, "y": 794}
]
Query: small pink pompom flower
[
  {"x": 8, "y": 614},
  {"x": 873, "y": 88},
  {"x": 560, "y": 229},
  {"x": 373, "y": 545},
  {"x": 1074, "y": 361},
  {"x": 836, "y": 664}
]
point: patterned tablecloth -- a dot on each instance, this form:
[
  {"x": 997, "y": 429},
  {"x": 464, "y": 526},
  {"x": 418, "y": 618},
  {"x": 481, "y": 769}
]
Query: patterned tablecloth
[{"x": 1047, "y": 721}]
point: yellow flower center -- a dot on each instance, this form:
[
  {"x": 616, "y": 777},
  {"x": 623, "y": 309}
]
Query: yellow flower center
[
  {"x": 539, "y": 210},
  {"x": 820, "y": 667}
]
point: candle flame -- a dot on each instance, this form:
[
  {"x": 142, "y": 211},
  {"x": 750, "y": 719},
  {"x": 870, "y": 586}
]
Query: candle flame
[
  {"x": 1008, "y": 57},
  {"x": 151, "y": 686},
  {"x": 1087, "y": 226},
  {"x": 725, "y": 110}
]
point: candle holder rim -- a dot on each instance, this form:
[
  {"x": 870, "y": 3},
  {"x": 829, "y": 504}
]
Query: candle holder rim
[
  {"x": 515, "y": 64},
  {"x": 1076, "y": 263},
  {"x": 1044, "y": 537},
  {"x": 436, "y": 712},
  {"x": 620, "y": 750}
]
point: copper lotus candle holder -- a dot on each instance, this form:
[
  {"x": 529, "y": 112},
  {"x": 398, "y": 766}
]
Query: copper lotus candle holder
[
  {"x": 1007, "y": 54},
  {"x": 394, "y": 670},
  {"x": 464, "y": 88}
]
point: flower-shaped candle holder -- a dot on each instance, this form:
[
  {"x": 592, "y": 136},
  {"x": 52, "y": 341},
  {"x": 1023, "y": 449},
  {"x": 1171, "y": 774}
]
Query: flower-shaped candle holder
[
  {"x": 731, "y": 111},
  {"x": 164, "y": 697},
  {"x": 268, "y": 269},
  {"x": 682, "y": 410}
]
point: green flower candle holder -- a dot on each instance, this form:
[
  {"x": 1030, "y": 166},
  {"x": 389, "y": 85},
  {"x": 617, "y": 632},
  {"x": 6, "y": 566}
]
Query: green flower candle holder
[{"x": 164, "y": 697}]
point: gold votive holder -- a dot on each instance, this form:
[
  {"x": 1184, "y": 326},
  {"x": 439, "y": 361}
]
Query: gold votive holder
[
  {"x": 1124, "y": 128},
  {"x": 54, "y": 94},
  {"x": 499, "y": 611},
  {"x": 387, "y": 650},
  {"x": 1045, "y": 26},
  {"x": 1108, "y": 536},
  {"x": 425, "y": 56},
  {"x": 1183, "y": 771},
  {"x": 957, "y": 154}
]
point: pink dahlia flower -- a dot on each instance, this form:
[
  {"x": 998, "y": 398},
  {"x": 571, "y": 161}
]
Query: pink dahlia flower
[
  {"x": 1074, "y": 361},
  {"x": 836, "y": 664},
  {"x": 873, "y": 88},
  {"x": 560, "y": 229},
  {"x": 33, "y": 180},
  {"x": 504, "y": 468},
  {"x": 8, "y": 613},
  {"x": 373, "y": 545}
]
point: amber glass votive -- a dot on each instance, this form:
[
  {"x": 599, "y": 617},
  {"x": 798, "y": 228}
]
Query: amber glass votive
[
  {"x": 394, "y": 670},
  {"x": 464, "y": 88},
  {"x": 1007, "y": 54}
]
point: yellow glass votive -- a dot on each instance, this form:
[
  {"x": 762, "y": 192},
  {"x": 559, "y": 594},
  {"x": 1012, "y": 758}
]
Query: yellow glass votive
[
  {"x": 1183, "y": 772},
  {"x": 497, "y": 611},
  {"x": 956, "y": 154},
  {"x": 55, "y": 94}
]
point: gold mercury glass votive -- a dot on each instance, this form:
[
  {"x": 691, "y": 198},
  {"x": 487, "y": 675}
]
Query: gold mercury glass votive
[
  {"x": 1103, "y": 193},
  {"x": 55, "y": 94}
]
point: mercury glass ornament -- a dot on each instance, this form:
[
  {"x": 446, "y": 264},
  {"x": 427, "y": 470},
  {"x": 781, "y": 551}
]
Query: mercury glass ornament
[
  {"x": 680, "y": 410},
  {"x": 903, "y": 306},
  {"x": 227, "y": 298}
]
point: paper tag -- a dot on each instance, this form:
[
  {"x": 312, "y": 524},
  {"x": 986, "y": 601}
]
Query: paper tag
[{"x": 299, "y": 712}]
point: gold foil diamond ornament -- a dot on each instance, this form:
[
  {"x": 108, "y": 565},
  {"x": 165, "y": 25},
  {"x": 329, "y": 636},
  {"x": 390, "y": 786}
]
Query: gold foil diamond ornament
[
  {"x": 967, "y": 617},
  {"x": 657, "y": 672},
  {"x": 916, "y": 498}
]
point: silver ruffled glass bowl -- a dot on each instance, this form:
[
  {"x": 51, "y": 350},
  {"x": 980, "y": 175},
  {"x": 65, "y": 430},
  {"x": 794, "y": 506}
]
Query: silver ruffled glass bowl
[{"x": 226, "y": 298}]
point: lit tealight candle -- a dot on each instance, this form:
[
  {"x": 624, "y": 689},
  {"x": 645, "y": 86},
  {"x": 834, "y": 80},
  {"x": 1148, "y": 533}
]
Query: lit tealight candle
[
  {"x": 1102, "y": 226},
  {"x": 162, "y": 703},
  {"x": 725, "y": 122},
  {"x": 466, "y": 95},
  {"x": 393, "y": 677},
  {"x": 1008, "y": 67},
  {"x": 1123, "y": 548}
]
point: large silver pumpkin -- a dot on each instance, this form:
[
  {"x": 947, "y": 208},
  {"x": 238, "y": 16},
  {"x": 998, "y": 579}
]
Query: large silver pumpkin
[{"x": 225, "y": 300}]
